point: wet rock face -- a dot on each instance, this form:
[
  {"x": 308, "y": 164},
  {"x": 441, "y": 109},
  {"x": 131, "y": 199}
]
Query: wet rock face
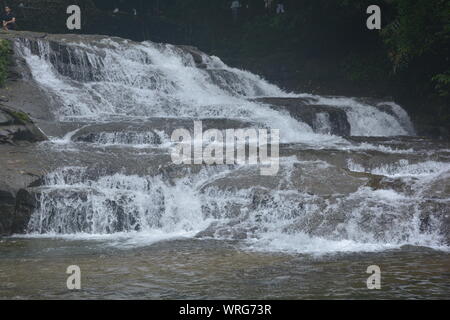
[
  {"x": 17, "y": 126},
  {"x": 435, "y": 215},
  {"x": 66, "y": 59},
  {"x": 26, "y": 203},
  {"x": 15, "y": 211},
  {"x": 16, "y": 205},
  {"x": 7, "y": 206},
  {"x": 70, "y": 64},
  {"x": 196, "y": 54},
  {"x": 322, "y": 119}
]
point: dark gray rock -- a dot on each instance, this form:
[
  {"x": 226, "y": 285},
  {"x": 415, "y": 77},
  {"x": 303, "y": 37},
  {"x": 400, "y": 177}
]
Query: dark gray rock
[
  {"x": 26, "y": 203},
  {"x": 302, "y": 110},
  {"x": 15, "y": 210},
  {"x": 196, "y": 54},
  {"x": 435, "y": 212},
  {"x": 17, "y": 126},
  {"x": 7, "y": 208}
]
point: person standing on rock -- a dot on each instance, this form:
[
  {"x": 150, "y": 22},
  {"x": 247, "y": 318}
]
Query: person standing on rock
[
  {"x": 280, "y": 7},
  {"x": 9, "y": 19},
  {"x": 235, "y": 6}
]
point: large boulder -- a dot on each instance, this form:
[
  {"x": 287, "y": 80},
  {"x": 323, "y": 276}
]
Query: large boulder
[
  {"x": 16, "y": 204},
  {"x": 26, "y": 204},
  {"x": 196, "y": 54},
  {"x": 7, "y": 208},
  {"x": 322, "y": 119},
  {"x": 17, "y": 126},
  {"x": 15, "y": 210}
]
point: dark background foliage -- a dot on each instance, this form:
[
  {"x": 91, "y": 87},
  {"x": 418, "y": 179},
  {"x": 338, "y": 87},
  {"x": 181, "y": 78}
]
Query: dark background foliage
[
  {"x": 318, "y": 46},
  {"x": 4, "y": 60}
]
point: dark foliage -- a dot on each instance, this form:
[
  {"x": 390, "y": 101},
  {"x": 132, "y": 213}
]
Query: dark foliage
[{"x": 320, "y": 46}]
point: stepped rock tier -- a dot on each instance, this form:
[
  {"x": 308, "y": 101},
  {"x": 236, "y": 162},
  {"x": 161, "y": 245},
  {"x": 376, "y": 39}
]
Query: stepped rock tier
[{"x": 85, "y": 148}]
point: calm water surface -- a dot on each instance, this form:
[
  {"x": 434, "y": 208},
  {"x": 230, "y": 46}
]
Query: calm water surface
[{"x": 207, "y": 269}]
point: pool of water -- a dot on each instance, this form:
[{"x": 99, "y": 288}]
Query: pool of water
[{"x": 211, "y": 269}]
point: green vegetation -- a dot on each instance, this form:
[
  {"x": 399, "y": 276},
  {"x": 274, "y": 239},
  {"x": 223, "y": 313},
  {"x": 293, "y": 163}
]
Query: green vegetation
[
  {"x": 5, "y": 53},
  {"x": 21, "y": 117},
  {"x": 324, "y": 46},
  {"x": 418, "y": 41},
  {"x": 322, "y": 42},
  {"x": 443, "y": 83},
  {"x": 321, "y": 45}
]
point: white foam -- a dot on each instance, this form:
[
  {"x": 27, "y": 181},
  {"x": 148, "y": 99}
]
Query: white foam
[
  {"x": 367, "y": 120},
  {"x": 305, "y": 244},
  {"x": 75, "y": 206},
  {"x": 116, "y": 79},
  {"x": 153, "y": 80},
  {"x": 117, "y": 240},
  {"x": 404, "y": 168}
]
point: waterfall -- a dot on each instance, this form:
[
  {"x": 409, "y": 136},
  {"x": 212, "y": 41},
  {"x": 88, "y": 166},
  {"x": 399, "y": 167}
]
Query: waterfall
[
  {"x": 288, "y": 217},
  {"x": 97, "y": 79},
  {"x": 330, "y": 194}
]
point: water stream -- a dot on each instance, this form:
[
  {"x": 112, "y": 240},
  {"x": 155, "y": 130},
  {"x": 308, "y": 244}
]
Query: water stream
[{"x": 141, "y": 227}]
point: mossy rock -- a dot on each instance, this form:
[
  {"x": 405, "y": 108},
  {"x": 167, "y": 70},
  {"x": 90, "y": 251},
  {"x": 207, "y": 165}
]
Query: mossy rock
[
  {"x": 17, "y": 126},
  {"x": 21, "y": 117},
  {"x": 16, "y": 117}
]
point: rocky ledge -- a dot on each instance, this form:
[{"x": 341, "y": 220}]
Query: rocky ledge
[
  {"x": 16, "y": 126},
  {"x": 17, "y": 131},
  {"x": 314, "y": 115}
]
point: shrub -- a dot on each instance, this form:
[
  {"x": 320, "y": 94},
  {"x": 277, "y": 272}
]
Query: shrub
[{"x": 5, "y": 53}]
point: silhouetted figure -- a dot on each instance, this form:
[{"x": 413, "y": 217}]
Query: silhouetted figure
[
  {"x": 268, "y": 4},
  {"x": 9, "y": 19},
  {"x": 280, "y": 7},
  {"x": 235, "y": 6}
]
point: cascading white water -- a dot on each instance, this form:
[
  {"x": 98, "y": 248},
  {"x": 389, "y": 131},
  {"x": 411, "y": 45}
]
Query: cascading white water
[
  {"x": 303, "y": 209},
  {"x": 97, "y": 78},
  {"x": 74, "y": 202},
  {"x": 133, "y": 138}
]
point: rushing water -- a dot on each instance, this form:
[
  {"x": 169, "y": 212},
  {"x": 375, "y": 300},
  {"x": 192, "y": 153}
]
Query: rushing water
[{"x": 140, "y": 227}]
